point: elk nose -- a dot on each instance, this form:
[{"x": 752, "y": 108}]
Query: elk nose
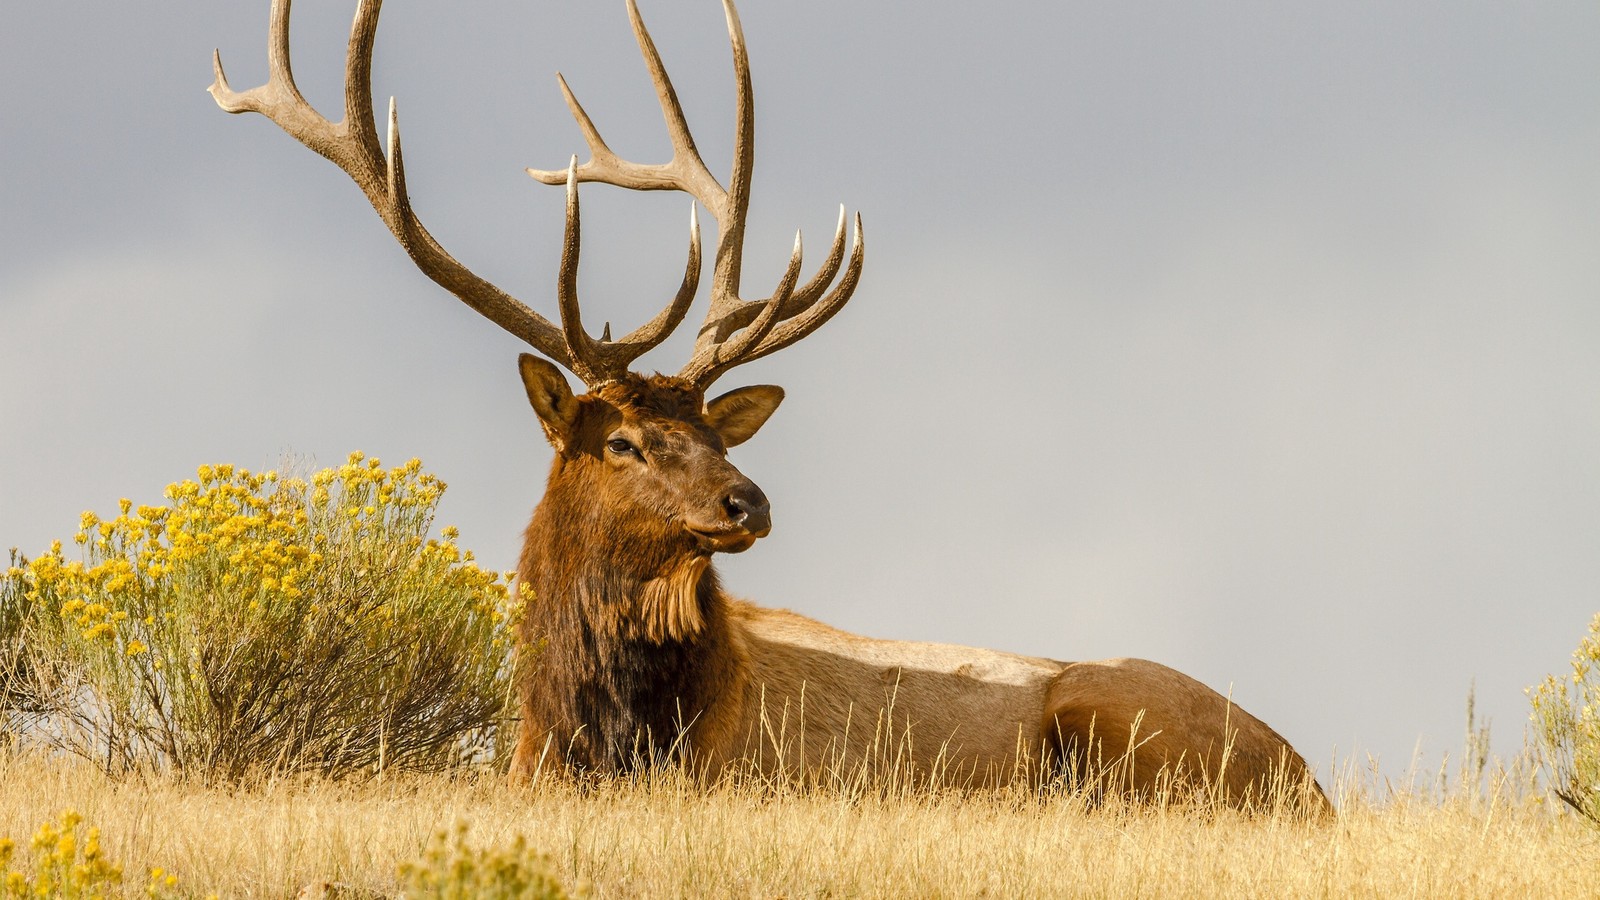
[{"x": 749, "y": 510}]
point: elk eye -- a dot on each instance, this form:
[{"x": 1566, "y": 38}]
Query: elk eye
[{"x": 618, "y": 445}]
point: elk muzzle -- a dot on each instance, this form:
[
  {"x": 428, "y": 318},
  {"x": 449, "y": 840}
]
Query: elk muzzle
[{"x": 746, "y": 517}]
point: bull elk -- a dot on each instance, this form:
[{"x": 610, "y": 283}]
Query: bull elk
[{"x": 642, "y": 655}]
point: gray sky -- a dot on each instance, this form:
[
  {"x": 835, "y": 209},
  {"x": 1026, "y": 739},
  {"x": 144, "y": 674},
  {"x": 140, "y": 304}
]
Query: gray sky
[{"x": 1257, "y": 339}]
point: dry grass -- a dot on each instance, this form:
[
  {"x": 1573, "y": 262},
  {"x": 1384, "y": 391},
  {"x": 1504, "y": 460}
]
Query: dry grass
[{"x": 662, "y": 837}]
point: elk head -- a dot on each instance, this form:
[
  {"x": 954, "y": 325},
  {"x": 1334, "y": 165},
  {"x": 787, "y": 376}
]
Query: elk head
[{"x": 651, "y": 456}]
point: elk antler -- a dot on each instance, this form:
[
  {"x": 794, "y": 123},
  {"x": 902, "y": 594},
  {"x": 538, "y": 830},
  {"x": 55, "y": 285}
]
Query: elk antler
[
  {"x": 352, "y": 145},
  {"x": 735, "y": 331}
]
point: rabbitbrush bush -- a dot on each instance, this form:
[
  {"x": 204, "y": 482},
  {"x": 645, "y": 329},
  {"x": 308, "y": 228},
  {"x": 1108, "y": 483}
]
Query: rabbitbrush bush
[
  {"x": 1566, "y": 720},
  {"x": 266, "y": 624}
]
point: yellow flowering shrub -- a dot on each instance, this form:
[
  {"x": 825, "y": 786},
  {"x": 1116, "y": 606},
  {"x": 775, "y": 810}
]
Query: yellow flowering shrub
[
  {"x": 1566, "y": 725},
  {"x": 257, "y": 621}
]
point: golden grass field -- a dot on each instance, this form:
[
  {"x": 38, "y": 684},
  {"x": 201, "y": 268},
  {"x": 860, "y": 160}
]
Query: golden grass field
[{"x": 664, "y": 837}]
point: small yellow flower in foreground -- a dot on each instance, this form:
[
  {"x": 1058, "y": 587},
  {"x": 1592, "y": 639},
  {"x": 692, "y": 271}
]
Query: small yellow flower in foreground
[
  {"x": 450, "y": 532},
  {"x": 137, "y": 647}
]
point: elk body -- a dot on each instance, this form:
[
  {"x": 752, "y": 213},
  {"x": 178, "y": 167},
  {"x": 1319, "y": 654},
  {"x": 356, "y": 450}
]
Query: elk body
[{"x": 635, "y": 653}]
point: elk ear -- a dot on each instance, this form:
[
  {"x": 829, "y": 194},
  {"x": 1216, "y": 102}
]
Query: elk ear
[
  {"x": 739, "y": 413},
  {"x": 551, "y": 397}
]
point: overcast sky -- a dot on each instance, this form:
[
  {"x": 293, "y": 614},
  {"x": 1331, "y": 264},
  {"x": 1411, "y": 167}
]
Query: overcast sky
[{"x": 1262, "y": 340}]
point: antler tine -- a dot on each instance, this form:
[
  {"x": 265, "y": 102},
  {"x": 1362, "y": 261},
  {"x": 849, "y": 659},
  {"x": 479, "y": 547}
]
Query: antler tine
[
  {"x": 730, "y": 237},
  {"x": 597, "y": 362},
  {"x": 352, "y": 145},
  {"x": 579, "y": 343},
  {"x": 358, "y": 117}
]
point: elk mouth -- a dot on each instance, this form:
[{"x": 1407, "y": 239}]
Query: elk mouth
[{"x": 726, "y": 540}]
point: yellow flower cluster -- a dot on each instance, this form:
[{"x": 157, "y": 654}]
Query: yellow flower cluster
[
  {"x": 90, "y": 589},
  {"x": 364, "y": 486},
  {"x": 61, "y": 867},
  {"x": 162, "y": 882}
]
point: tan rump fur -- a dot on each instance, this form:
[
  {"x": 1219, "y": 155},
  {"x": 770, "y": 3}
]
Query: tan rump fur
[{"x": 1154, "y": 728}]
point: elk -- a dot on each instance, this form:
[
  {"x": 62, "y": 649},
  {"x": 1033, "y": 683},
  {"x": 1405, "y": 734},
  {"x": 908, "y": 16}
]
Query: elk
[{"x": 636, "y": 654}]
